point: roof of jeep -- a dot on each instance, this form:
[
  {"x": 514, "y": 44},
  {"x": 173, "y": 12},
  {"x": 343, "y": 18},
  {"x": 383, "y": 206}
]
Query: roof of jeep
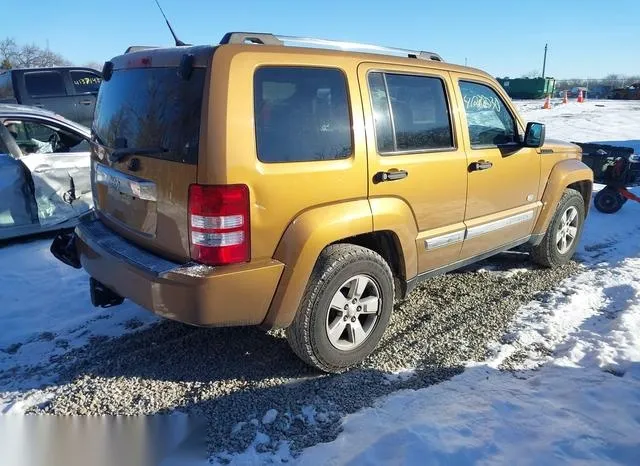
[
  {"x": 171, "y": 56},
  {"x": 164, "y": 56}
]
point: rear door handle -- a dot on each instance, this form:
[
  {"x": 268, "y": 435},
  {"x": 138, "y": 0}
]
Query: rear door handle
[
  {"x": 85, "y": 102},
  {"x": 391, "y": 175},
  {"x": 38, "y": 105},
  {"x": 480, "y": 165}
]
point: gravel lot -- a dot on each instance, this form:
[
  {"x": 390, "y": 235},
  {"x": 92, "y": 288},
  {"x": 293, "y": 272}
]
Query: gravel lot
[{"x": 246, "y": 382}]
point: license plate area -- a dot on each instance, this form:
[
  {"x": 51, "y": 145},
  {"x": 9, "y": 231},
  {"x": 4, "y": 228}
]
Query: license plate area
[
  {"x": 127, "y": 199},
  {"x": 120, "y": 182}
]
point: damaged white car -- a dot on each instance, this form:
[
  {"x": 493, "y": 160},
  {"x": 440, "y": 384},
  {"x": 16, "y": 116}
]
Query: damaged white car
[{"x": 45, "y": 179}]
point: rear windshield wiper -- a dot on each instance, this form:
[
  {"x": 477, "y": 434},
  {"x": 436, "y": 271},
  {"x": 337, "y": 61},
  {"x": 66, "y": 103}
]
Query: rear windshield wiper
[{"x": 119, "y": 154}]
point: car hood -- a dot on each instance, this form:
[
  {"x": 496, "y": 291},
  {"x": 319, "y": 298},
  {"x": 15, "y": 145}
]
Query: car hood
[{"x": 557, "y": 145}]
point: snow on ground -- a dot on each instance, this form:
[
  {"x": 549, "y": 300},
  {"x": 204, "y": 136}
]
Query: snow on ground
[
  {"x": 46, "y": 310},
  {"x": 576, "y": 397},
  {"x": 606, "y": 121}
]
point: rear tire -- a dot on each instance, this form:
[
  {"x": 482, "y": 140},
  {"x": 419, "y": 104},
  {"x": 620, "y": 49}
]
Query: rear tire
[
  {"x": 345, "y": 309},
  {"x": 608, "y": 200},
  {"x": 563, "y": 233}
]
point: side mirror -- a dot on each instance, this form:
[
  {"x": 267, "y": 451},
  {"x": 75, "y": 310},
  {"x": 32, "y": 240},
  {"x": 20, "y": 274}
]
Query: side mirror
[{"x": 534, "y": 135}]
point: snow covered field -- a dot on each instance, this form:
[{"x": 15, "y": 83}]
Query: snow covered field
[
  {"x": 571, "y": 394},
  {"x": 563, "y": 385}
]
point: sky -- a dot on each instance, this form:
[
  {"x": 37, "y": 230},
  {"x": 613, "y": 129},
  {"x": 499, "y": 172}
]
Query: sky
[{"x": 587, "y": 38}]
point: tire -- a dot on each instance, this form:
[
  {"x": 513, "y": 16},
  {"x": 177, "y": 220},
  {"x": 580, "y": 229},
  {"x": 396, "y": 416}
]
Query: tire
[
  {"x": 550, "y": 253},
  {"x": 608, "y": 200},
  {"x": 334, "y": 272}
]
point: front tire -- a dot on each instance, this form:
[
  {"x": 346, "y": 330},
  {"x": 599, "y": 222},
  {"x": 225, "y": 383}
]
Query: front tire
[
  {"x": 563, "y": 233},
  {"x": 345, "y": 309}
]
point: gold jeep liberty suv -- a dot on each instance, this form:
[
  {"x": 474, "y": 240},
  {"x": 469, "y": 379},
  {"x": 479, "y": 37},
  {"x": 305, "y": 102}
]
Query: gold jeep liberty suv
[{"x": 275, "y": 181}]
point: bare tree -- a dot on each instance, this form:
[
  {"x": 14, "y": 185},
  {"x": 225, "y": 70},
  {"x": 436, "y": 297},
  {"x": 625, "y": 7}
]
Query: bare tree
[
  {"x": 8, "y": 50},
  {"x": 28, "y": 56},
  {"x": 610, "y": 81}
]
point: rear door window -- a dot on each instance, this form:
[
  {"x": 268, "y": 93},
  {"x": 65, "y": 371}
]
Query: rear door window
[
  {"x": 44, "y": 83},
  {"x": 6, "y": 86},
  {"x": 411, "y": 113},
  {"x": 85, "y": 82},
  {"x": 301, "y": 114}
]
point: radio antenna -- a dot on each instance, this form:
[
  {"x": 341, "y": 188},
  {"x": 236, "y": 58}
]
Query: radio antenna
[{"x": 178, "y": 41}]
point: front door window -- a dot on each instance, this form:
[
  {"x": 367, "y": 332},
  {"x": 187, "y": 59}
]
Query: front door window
[{"x": 490, "y": 123}]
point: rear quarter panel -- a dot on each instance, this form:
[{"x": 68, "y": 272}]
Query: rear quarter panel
[{"x": 280, "y": 192}]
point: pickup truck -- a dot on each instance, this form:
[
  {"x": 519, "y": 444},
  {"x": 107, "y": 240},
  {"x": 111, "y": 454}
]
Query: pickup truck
[{"x": 67, "y": 91}]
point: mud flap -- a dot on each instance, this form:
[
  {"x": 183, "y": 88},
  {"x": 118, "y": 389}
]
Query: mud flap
[
  {"x": 101, "y": 296},
  {"x": 63, "y": 248}
]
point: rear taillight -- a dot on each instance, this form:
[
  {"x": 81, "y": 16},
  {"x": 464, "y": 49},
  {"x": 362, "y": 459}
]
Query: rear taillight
[{"x": 219, "y": 224}]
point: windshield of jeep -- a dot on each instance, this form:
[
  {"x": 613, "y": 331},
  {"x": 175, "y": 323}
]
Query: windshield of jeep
[{"x": 151, "y": 107}]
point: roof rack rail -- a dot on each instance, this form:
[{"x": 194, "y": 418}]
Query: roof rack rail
[
  {"x": 250, "y": 38},
  {"x": 136, "y": 48},
  {"x": 261, "y": 38}
]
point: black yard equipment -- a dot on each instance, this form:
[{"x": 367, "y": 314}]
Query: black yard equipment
[{"x": 618, "y": 168}]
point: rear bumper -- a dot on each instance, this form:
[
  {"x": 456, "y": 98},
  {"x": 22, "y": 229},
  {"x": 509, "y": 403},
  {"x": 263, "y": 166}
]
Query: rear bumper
[{"x": 190, "y": 293}]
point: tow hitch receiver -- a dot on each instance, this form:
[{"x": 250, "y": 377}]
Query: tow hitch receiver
[
  {"x": 64, "y": 249},
  {"x": 101, "y": 296}
]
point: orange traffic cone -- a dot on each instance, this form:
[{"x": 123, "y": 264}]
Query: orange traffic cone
[
  {"x": 547, "y": 103},
  {"x": 565, "y": 99},
  {"x": 580, "y": 97}
]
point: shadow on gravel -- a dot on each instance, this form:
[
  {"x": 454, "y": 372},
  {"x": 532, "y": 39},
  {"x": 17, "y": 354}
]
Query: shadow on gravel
[{"x": 233, "y": 377}]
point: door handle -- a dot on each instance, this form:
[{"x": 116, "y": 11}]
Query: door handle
[
  {"x": 391, "y": 175},
  {"x": 85, "y": 102},
  {"x": 38, "y": 105},
  {"x": 480, "y": 165}
]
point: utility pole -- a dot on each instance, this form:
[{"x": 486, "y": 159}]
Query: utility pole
[
  {"x": 544, "y": 63},
  {"x": 465, "y": 61}
]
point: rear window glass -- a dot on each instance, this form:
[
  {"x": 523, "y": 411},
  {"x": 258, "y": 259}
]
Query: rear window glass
[
  {"x": 85, "y": 82},
  {"x": 302, "y": 114},
  {"x": 151, "y": 108},
  {"x": 44, "y": 83},
  {"x": 6, "y": 86}
]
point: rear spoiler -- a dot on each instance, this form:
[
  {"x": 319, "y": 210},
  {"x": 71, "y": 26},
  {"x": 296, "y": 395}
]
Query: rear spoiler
[{"x": 136, "y": 48}]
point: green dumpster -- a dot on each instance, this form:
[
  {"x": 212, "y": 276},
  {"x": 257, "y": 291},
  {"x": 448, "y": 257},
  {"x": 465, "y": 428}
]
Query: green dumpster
[{"x": 528, "y": 88}]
